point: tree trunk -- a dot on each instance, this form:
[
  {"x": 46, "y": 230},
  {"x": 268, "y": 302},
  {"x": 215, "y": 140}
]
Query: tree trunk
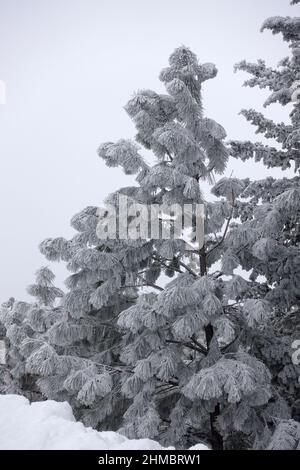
[{"x": 216, "y": 437}]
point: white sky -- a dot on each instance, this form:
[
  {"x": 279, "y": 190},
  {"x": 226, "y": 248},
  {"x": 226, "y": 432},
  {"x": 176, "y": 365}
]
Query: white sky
[{"x": 70, "y": 66}]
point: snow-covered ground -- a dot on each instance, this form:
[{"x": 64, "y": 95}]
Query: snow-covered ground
[{"x": 51, "y": 425}]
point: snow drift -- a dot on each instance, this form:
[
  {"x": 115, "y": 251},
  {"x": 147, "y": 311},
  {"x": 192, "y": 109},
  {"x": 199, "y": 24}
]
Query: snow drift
[{"x": 51, "y": 425}]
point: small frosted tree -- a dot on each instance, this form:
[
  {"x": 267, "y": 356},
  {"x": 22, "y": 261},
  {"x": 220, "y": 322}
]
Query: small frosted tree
[{"x": 25, "y": 326}]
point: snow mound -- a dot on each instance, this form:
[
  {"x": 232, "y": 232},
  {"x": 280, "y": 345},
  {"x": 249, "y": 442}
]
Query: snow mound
[{"x": 51, "y": 425}]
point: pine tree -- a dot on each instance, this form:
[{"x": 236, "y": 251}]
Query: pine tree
[
  {"x": 25, "y": 325},
  {"x": 270, "y": 211},
  {"x": 82, "y": 360},
  {"x": 189, "y": 374}
]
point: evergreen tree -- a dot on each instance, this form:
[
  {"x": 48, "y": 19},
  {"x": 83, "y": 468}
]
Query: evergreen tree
[
  {"x": 82, "y": 361},
  {"x": 25, "y": 325},
  {"x": 270, "y": 212},
  {"x": 189, "y": 374}
]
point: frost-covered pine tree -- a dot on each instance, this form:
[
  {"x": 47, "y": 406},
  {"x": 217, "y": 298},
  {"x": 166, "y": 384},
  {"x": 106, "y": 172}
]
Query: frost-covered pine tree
[
  {"x": 189, "y": 373},
  {"x": 267, "y": 242},
  {"x": 25, "y": 326},
  {"x": 82, "y": 361}
]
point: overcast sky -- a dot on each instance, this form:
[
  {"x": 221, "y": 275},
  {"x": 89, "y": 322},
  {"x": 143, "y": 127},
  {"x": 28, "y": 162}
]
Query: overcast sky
[{"x": 70, "y": 66}]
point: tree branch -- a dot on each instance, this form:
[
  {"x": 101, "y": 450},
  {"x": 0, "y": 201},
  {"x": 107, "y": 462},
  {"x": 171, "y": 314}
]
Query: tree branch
[
  {"x": 169, "y": 155},
  {"x": 226, "y": 228},
  {"x": 225, "y": 348},
  {"x": 200, "y": 346},
  {"x": 187, "y": 345},
  {"x": 150, "y": 284},
  {"x": 188, "y": 269}
]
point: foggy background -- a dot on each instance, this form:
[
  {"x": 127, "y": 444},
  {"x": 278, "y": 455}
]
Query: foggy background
[{"x": 70, "y": 66}]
